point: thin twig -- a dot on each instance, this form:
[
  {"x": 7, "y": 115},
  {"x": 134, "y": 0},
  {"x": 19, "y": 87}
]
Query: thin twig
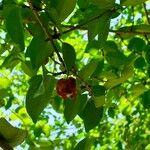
[
  {"x": 84, "y": 23},
  {"x": 48, "y": 35},
  {"x": 146, "y": 13},
  {"x": 148, "y": 21}
]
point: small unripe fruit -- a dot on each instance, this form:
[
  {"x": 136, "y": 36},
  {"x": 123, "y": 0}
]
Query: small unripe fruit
[{"x": 66, "y": 88}]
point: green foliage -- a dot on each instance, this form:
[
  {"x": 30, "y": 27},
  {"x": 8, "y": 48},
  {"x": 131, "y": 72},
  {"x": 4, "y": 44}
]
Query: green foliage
[
  {"x": 69, "y": 55},
  {"x": 38, "y": 95},
  {"x": 14, "y": 26},
  {"x": 38, "y": 51},
  {"x": 104, "y": 45},
  {"x": 14, "y": 136},
  {"x": 91, "y": 115}
]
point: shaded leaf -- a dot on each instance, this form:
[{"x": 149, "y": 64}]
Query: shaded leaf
[
  {"x": 147, "y": 54},
  {"x": 84, "y": 144},
  {"x": 126, "y": 73},
  {"x": 146, "y": 99},
  {"x": 62, "y": 9},
  {"x": 14, "y": 136},
  {"x": 11, "y": 60},
  {"x": 38, "y": 95},
  {"x": 15, "y": 27},
  {"x": 104, "y": 4},
  {"x": 38, "y": 51},
  {"x": 89, "y": 69},
  {"x": 116, "y": 59},
  {"x": 136, "y": 44},
  {"x": 69, "y": 55},
  {"x": 132, "y": 3},
  {"x": 98, "y": 94},
  {"x": 74, "y": 107},
  {"x": 139, "y": 63},
  {"x": 91, "y": 115}
]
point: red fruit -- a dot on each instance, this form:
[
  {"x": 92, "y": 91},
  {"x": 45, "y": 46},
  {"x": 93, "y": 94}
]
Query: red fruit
[{"x": 66, "y": 88}]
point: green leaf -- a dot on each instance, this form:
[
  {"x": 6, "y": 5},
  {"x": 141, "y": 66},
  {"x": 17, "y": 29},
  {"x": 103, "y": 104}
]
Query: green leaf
[
  {"x": 146, "y": 99},
  {"x": 132, "y": 3},
  {"x": 69, "y": 55},
  {"x": 137, "y": 90},
  {"x": 98, "y": 95},
  {"x": 3, "y": 93},
  {"x": 56, "y": 103},
  {"x": 98, "y": 90},
  {"x": 38, "y": 51},
  {"x": 62, "y": 9},
  {"x": 15, "y": 27},
  {"x": 28, "y": 69},
  {"x": 126, "y": 73},
  {"x": 4, "y": 83},
  {"x": 103, "y": 30},
  {"x": 99, "y": 27},
  {"x": 130, "y": 31},
  {"x": 104, "y": 4},
  {"x": 74, "y": 107},
  {"x": 89, "y": 69},
  {"x": 136, "y": 44},
  {"x": 139, "y": 63},
  {"x": 84, "y": 144},
  {"x": 53, "y": 15},
  {"x": 14, "y": 136},
  {"x": 147, "y": 54},
  {"x": 38, "y": 95},
  {"x": 92, "y": 45},
  {"x": 93, "y": 29},
  {"x": 116, "y": 59},
  {"x": 11, "y": 60},
  {"x": 71, "y": 109},
  {"x": 91, "y": 115},
  {"x": 110, "y": 46}
]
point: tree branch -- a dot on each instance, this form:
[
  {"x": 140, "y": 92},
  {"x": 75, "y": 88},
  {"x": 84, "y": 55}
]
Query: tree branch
[
  {"x": 79, "y": 26},
  {"x": 48, "y": 35},
  {"x": 146, "y": 13}
]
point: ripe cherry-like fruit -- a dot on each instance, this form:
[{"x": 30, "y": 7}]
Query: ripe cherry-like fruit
[{"x": 66, "y": 88}]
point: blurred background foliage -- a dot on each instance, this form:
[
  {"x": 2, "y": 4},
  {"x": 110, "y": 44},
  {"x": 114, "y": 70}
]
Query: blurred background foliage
[{"x": 104, "y": 45}]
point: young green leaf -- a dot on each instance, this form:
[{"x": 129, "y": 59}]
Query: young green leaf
[
  {"x": 69, "y": 55},
  {"x": 15, "y": 27}
]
